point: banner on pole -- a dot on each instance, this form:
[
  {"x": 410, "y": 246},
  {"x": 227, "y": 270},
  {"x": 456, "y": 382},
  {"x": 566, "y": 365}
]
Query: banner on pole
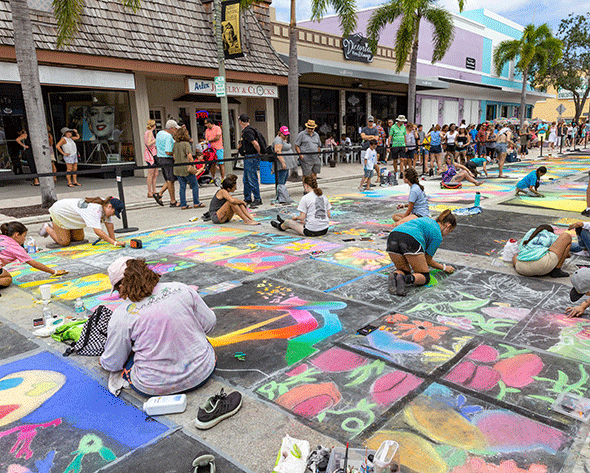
[{"x": 230, "y": 29}]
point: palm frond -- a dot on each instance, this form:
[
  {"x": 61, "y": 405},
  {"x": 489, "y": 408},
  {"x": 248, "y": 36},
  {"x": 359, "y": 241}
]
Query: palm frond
[
  {"x": 404, "y": 40},
  {"x": 461, "y": 5},
  {"x": 345, "y": 9},
  {"x": 133, "y": 5},
  {"x": 505, "y": 52},
  {"x": 381, "y": 17},
  {"x": 443, "y": 31},
  {"x": 67, "y": 15}
]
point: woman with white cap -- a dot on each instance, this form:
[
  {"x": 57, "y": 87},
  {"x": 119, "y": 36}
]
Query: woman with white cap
[
  {"x": 157, "y": 334},
  {"x": 285, "y": 163},
  {"x": 69, "y": 218},
  {"x": 69, "y": 150}
]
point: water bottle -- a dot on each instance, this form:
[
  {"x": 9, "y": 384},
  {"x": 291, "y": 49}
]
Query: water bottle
[
  {"x": 47, "y": 315},
  {"x": 30, "y": 245},
  {"x": 79, "y": 308},
  {"x": 477, "y": 199}
]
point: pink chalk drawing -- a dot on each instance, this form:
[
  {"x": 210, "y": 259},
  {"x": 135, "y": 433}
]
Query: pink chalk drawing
[
  {"x": 26, "y": 434},
  {"x": 518, "y": 371},
  {"x": 258, "y": 262},
  {"x": 393, "y": 386},
  {"x": 513, "y": 313},
  {"x": 484, "y": 353},
  {"x": 477, "y": 465},
  {"x": 336, "y": 360},
  {"x": 479, "y": 378},
  {"x": 509, "y": 432},
  {"x": 306, "y": 246},
  {"x": 298, "y": 370}
]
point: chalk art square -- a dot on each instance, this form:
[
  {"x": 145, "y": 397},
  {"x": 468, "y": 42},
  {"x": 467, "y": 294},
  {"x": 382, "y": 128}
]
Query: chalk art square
[
  {"x": 210, "y": 253},
  {"x": 339, "y": 392},
  {"x": 257, "y": 262},
  {"x": 521, "y": 377},
  {"x": 26, "y": 276},
  {"x": 103, "y": 260},
  {"x": 307, "y": 246},
  {"x": 80, "y": 287},
  {"x": 367, "y": 259},
  {"x": 444, "y": 430},
  {"x": 207, "y": 237},
  {"x": 203, "y": 275},
  {"x": 110, "y": 301},
  {"x": 316, "y": 274},
  {"x": 418, "y": 345},
  {"x": 276, "y": 325},
  {"x": 60, "y": 419},
  {"x": 85, "y": 250},
  {"x": 260, "y": 241}
]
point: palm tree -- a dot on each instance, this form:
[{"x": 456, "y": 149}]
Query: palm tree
[
  {"x": 411, "y": 13},
  {"x": 535, "y": 52},
  {"x": 67, "y": 14}
]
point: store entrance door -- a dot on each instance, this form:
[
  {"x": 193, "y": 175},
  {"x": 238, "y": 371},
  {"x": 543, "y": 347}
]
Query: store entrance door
[{"x": 356, "y": 114}]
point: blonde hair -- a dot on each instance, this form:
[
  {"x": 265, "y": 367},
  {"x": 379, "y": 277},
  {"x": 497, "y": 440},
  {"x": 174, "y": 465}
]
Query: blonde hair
[{"x": 150, "y": 124}]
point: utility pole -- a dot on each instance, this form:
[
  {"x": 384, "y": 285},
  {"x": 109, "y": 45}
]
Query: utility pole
[{"x": 227, "y": 145}]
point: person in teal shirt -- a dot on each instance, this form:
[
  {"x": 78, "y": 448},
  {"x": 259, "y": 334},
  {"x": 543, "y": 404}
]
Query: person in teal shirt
[
  {"x": 541, "y": 252},
  {"x": 474, "y": 162},
  {"x": 531, "y": 182},
  {"x": 411, "y": 247}
]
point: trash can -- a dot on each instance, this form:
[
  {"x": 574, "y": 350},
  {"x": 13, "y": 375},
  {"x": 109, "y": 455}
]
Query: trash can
[{"x": 266, "y": 175}]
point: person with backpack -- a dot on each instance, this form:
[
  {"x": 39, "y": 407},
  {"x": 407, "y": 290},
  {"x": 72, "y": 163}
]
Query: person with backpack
[{"x": 253, "y": 145}]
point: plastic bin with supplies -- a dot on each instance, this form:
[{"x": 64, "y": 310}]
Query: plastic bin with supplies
[{"x": 355, "y": 457}]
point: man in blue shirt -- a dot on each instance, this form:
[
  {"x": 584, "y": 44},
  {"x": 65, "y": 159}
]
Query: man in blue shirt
[{"x": 164, "y": 158}]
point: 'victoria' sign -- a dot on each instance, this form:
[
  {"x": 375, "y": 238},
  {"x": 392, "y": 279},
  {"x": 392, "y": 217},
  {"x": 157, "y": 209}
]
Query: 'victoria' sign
[{"x": 356, "y": 48}]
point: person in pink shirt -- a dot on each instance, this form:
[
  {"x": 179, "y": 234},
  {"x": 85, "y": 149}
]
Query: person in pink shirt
[
  {"x": 11, "y": 249},
  {"x": 214, "y": 139}
]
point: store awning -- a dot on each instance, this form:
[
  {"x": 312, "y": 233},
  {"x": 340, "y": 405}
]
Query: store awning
[{"x": 360, "y": 71}]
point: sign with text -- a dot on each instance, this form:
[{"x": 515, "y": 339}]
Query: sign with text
[
  {"x": 230, "y": 29},
  {"x": 233, "y": 89},
  {"x": 470, "y": 63},
  {"x": 563, "y": 94},
  {"x": 220, "y": 86},
  {"x": 356, "y": 48}
]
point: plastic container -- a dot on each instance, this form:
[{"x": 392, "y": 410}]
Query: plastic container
[
  {"x": 47, "y": 315},
  {"x": 160, "y": 405},
  {"x": 79, "y": 308},
  {"x": 30, "y": 245},
  {"x": 387, "y": 459},
  {"x": 477, "y": 199},
  {"x": 266, "y": 175},
  {"x": 356, "y": 457}
]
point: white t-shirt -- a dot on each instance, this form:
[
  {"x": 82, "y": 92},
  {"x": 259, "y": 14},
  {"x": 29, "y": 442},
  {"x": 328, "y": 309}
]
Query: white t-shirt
[
  {"x": 73, "y": 214},
  {"x": 370, "y": 158},
  {"x": 451, "y": 137},
  {"x": 315, "y": 209}
]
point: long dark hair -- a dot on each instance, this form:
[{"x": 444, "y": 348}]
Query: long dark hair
[
  {"x": 447, "y": 217},
  {"x": 311, "y": 182},
  {"x": 10, "y": 228},
  {"x": 412, "y": 177},
  {"x": 229, "y": 182},
  {"x": 538, "y": 230}
]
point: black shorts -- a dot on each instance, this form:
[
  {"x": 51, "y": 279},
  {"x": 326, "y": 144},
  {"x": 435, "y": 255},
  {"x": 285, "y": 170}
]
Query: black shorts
[
  {"x": 309, "y": 233},
  {"x": 167, "y": 169},
  {"x": 450, "y": 147},
  {"x": 410, "y": 154},
  {"x": 403, "y": 244},
  {"x": 397, "y": 152}
]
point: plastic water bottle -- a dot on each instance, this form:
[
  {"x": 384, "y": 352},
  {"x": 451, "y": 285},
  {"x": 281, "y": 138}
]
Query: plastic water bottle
[
  {"x": 79, "y": 308},
  {"x": 47, "y": 315},
  {"x": 477, "y": 199},
  {"x": 30, "y": 245}
]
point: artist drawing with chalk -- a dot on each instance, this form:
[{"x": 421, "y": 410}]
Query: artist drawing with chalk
[
  {"x": 69, "y": 218},
  {"x": 411, "y": 247},
  {"x": 474, "y": 162},
  {"x": 224, "y": 206},
  {"x": 417, "y": 205},
  {"x": 541, "y": 252},
  {"x": 531, "y": 182},
  {"x": 581, "y": 286},
  {"x": 314, "y": 212},
  {"x": 11, "y": 249}
]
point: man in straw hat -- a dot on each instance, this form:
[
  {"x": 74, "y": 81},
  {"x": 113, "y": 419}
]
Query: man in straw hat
[{"x": 308, "y": 142}]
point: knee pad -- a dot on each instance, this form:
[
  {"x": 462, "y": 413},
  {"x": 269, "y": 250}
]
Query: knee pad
[{"x": 427, "y": 276}]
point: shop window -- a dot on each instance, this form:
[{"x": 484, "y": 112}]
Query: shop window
[
  {"x": 504, "y": 113},
  {"x": 103, "y": 121},
  {"x": 491, "y": 112},
  {"x": 384, "y": 107},
  {"x": 321, "y": 105}
]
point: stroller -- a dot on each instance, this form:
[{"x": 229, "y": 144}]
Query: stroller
[{"x": 203, "y": 174}]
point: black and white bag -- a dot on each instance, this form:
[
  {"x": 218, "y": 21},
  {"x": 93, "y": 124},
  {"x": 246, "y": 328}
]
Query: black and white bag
[{"x": 94, "y": 334}]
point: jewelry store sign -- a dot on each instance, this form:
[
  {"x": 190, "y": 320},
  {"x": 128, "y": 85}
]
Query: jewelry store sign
[{"x": 233, "y": 89}]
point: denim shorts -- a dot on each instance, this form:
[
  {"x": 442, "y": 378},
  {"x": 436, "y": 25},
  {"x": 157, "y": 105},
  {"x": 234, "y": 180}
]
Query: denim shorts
[{"x": 369, "y": 173}]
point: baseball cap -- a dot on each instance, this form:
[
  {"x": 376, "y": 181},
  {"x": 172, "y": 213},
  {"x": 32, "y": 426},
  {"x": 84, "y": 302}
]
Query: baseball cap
[
  {"x": 118, "y": 205},
  {"x": 581, "y": 283},
  {"x": 172, "y": 124},
  {"x": 370, "y": 119},
  {"x": 284, "y": 130},
  {"x": 65, "y": 129},
  {"x": 117, "y": 269}
]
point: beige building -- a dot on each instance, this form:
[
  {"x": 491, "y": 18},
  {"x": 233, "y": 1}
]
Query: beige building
[{"x": 548, "y": 109}]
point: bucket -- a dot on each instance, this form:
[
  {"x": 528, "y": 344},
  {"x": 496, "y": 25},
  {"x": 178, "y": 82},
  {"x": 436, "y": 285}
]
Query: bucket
[
  {"x": 386, "y": 458},
  {"x": 266, "y": 175}
]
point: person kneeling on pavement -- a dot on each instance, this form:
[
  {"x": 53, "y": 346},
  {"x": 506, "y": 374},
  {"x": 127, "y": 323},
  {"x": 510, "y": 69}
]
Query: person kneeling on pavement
[
  {"x": 542, "y": 253},
  {"x": 581, "y": 286}
]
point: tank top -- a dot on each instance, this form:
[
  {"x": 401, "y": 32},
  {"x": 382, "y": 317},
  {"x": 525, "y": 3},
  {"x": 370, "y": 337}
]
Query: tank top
[
  {"x": 461, "y": 141},
  {"x": 435, "y": 138},
  {"x": 70, "y": 147},
  {"x": 411, "y": 139},
  {"x": 216, "y": 203},
  {"x": 451, "y": 138}
]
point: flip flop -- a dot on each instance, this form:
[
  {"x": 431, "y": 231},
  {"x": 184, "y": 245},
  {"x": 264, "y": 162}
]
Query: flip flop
[
  {"x": 199, "y": 206},
  {"x": 71, "y": 185},
  {"x": 78, "y": 184},
  {"x": 174, "y": 204}
]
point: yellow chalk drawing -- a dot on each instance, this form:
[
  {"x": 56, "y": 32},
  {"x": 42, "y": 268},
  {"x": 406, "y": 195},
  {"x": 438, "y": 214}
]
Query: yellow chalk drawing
[
  {"x": 79, "y": 287},
  {"x": 41, "y": 388}
]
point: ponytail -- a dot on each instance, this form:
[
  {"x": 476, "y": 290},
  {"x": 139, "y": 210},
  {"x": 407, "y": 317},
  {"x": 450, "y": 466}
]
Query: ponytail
[
  {"x": 311, "y": 182},
  {"x": 412, "y": 177},
  {"x": 10, "y": 228},
  {"x": 538, "y": 230},
  {"x": 446, "y": 217}
]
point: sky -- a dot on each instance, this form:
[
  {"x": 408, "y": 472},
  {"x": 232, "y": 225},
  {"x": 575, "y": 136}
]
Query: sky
[{"x": 522, "y": 12}]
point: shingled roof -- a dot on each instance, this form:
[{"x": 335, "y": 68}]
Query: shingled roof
[{"x": 171, "y": 32}]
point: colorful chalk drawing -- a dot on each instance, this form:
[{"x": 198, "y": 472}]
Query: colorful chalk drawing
[
  {"x": 79, "y": 287},
  {"x": 552, "y": 200},
  {"x": 307, "y": 246},
  {"x": 339, "y": 392},
  {"x": 367, "y": 259},
  {"x": 411, "y": 343},
  {"x": 520, "y": 376},
  {"x": 257, "y": 262},
  {"x": 110, "y": 301},
  {"x": 211, "y": 253},
  {"x": 82, "y": 251},
  {"x": 444, "y": 431}
]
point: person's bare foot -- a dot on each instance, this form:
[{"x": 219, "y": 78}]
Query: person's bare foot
[
  {"x": 252, "y": 222},
  {"x": 478, "y": 183}
]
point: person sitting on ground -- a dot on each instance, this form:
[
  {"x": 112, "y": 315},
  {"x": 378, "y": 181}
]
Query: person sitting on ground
[
  {"x": 147, "y": 329},
  {"x": 369, "y": 162},
  {"x": 582, "y": 248},
  {"x": 69, "y": 217},
  {"x": 474, "y": 162},
  {"x": 455, "y": 172},
  {"x": 417, "y": 205},
  {"x": 314, "y": 212},
  {"x": 531, "y": 182},
  {"x": 411, "y": 247},
  {"x": 223, "y": 205},
  {"x": 11, "y": 249},
  {"x": 541, "y": 252},
  {"x": 581, "y": 286}
]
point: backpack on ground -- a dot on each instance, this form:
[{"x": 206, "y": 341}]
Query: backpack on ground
[
  {"x": 391, "y": 178},
  {"x": 451, "y": 185},
  {"x": 94, "y": 334}
]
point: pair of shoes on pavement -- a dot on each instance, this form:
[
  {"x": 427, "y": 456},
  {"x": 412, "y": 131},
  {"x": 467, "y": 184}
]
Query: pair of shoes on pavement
[
  {"x": 277, "y": 224},
  {"x": 217, "y": 408},
  {"x": 253, "y": 203},
  {"x": 397, "y": 284}
]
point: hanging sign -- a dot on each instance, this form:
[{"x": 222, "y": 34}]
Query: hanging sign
[
  {"x": 356, "y": 48},
  {"x": 230, "y": 29}
]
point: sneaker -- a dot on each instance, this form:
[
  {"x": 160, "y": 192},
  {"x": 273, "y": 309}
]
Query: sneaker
[
  {"x": 43, "y": 231},
  {"x": 217, "y": 181},
  {"x": 558, "y": 273},
  {"x": 585, "y": 213},
  {"x": 581, "y": 253},
  {"x": 400, "y": 284},
  {"x": 277, "y": 225},
  {"x": 257, "y": 203},
  {"x": 218, "y": 407},
  {"x": 391, "y": 283},
  {"x": 395, "y": 183},
  {"x": 431, "y": 173},
  {"x": 280, "y": 219}
]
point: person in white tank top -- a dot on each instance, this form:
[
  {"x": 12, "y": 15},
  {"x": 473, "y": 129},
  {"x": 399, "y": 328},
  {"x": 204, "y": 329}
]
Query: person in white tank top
[{"x": 69, "y": 150}]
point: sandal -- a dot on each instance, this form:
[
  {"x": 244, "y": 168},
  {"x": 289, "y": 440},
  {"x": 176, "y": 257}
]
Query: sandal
[
  {"x": 184, "y": 208},
  {"x": 158, "y": 199},
  {"x": 71, "y": 185},
  {"x": 77, "y": 184},
  {"x": 174, "y": 204},
  {"x": 200, "y": 205}
]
